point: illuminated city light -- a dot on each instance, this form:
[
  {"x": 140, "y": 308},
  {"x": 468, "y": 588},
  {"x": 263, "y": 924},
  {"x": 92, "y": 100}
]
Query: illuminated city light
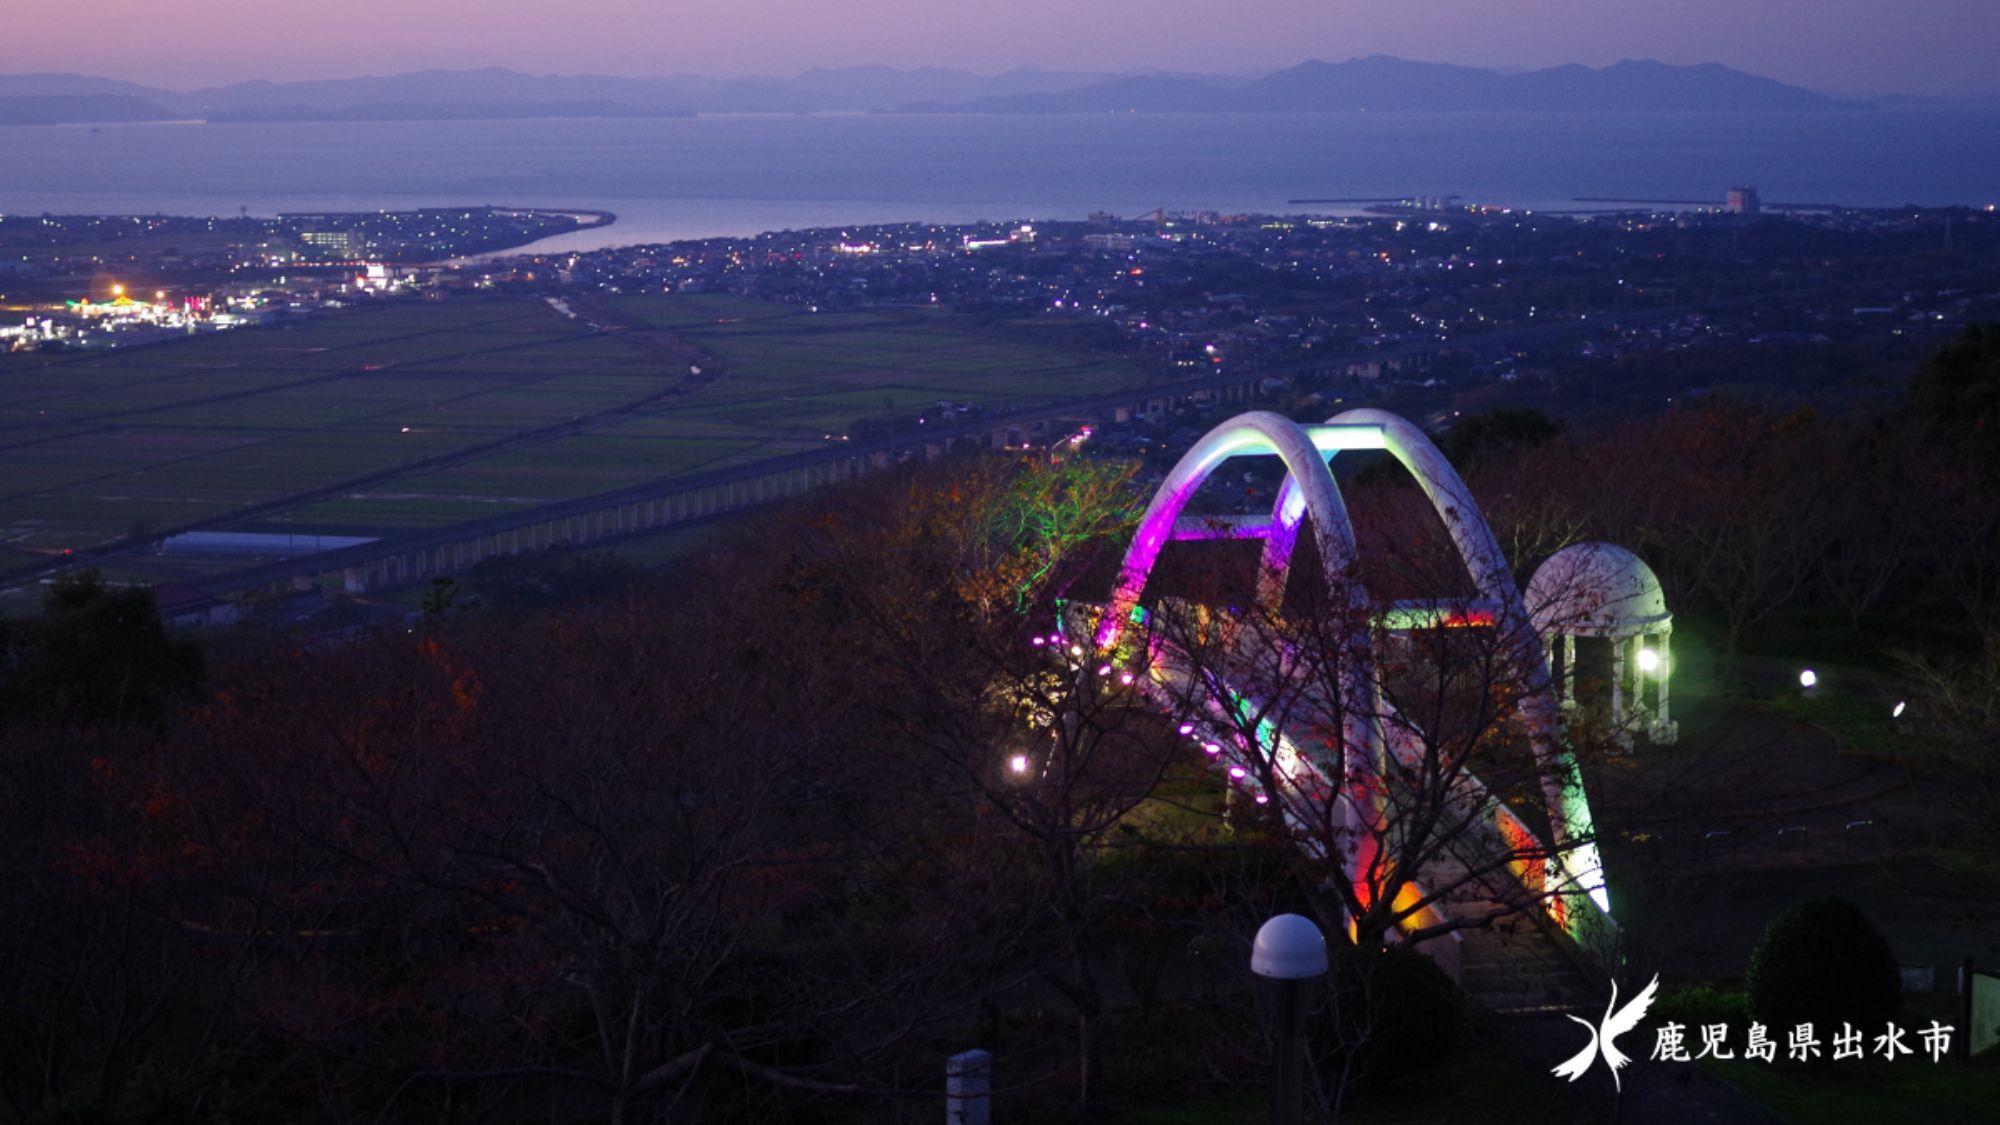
[
  {"x": 1211, "y": 749},
  {"x": 1238, "y": 772},
  {"x": 1186, "y": 728},
  {"x": 1018, "y": 763},
  {"x": 1808, "y": 678}
]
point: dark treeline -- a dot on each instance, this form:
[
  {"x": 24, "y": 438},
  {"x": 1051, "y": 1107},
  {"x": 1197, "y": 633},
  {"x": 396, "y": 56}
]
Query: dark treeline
[
  {"x": 750, "y": 839},
  {"x": 739, "y": 842},
  {"x": 1748, "y": 513}
]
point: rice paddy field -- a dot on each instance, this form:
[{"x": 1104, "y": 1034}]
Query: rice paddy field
[{"x": 413, "y": 415}]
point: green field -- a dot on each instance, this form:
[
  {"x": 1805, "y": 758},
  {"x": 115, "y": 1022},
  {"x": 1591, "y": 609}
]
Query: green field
[{"x": 439, "y": 402}]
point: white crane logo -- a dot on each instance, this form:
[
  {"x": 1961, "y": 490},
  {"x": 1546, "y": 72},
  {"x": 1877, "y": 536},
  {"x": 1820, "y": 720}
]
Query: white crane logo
[{"x": 1603, "y": 1038}]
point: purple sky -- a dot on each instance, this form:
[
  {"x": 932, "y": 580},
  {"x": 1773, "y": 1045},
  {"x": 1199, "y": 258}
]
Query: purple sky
[{"x": 1909, "y": 46}]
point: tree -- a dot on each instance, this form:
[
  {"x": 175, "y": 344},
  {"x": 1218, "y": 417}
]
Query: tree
[
  {"x": 1875, "y": 524},
  {"x": 985, "y": 704},
  {"x": 99, "y": 655},
  {"x": 1958, "y": 387},
  {"x": 1479, "y": 439},
  {"x": 1957, "y": 709},
  {"x": 626, "y": 860},
  {"x": 1951, "y": 485},
  {"x": 1730, "y": 505},
  {"x": 1390, "y": 760}
]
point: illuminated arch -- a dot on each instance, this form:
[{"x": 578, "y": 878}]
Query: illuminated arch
[{"x": 1309, "y": 488}]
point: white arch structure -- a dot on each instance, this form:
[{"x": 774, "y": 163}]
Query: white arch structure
[{"x": 1309, "y": 488}]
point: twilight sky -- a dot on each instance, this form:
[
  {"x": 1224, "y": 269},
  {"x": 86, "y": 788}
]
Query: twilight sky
[{"x": 1862, "y": 46}]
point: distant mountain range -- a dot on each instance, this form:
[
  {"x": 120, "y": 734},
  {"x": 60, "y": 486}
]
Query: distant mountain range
[
  {"x": 1380, "y": 83},
  {"x": 496, "y": 92},
  {"x": 1374, "y": 84}
]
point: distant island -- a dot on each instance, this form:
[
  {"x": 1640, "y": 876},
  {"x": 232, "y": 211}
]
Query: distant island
[{"x": 1373, "y": 84}]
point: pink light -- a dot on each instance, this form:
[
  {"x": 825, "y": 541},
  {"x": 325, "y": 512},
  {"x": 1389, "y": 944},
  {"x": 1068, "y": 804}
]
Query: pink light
[
  {"x": 1211, "y": 749},
  {"x": 1039, "y": 642},
  {"x": 1238, "y": 772},
  {"x": 1187, "y": 728},
  {"x": 1125, "y": 678},
  {"x": 1263, "y": 799}
]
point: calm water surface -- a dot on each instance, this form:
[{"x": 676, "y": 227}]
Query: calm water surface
[{"x": 696, "y": 177}]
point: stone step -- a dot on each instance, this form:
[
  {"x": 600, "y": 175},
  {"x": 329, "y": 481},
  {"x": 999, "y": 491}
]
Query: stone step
[{"x": 1515, "y": 967}]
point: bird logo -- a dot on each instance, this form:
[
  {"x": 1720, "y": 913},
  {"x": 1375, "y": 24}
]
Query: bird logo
[{"x": 1604, "y": 1037}]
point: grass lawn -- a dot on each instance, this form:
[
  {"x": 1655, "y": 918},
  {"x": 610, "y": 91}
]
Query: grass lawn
[
  {"x": 1873, "y": 1091},
  {"x": 1860, "y": 724}
]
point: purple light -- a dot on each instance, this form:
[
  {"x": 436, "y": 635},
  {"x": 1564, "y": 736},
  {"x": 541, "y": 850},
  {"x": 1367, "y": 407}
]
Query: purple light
[
  {"x": 1263, "y": 799},
  {"x": 1039, "y": 642},
  {"x": 1238, "y": 772},
  {"x": 1211, "y": 749},
  {"x": 1187, "y": 728}
]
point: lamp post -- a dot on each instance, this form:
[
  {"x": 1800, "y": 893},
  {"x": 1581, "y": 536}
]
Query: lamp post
[{"x": 1288, "y": 959}]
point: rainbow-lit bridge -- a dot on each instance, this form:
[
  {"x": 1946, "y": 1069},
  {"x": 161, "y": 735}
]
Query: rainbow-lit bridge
[{"x": 1339, "y": 760}]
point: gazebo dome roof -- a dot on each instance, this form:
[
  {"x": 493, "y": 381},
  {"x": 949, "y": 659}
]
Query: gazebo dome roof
[{"x": 1596, "y": 590}]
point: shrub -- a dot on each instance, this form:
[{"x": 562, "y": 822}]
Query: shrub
[
  {"x": 1701, "y": 1004},
  {"x": 1823, "y": 962},
  {"x": 1397, "y": 1011}
]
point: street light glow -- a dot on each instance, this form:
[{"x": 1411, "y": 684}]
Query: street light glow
[{"x": 1808, "y": 678}]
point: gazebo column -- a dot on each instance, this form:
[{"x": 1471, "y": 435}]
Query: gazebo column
[
  {"x": 1618, "y": 645},
  {"x": 1664, "y": 731},
  {"x": 1665, "y": 676}
]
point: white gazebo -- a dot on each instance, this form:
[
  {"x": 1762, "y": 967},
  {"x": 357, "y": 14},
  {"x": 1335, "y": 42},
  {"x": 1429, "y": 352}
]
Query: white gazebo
[{"x": 1600, "y": 590}]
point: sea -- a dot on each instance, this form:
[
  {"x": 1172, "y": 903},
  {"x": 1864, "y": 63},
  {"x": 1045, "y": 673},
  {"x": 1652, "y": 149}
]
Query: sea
[{"x": 698, "y": 177}]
